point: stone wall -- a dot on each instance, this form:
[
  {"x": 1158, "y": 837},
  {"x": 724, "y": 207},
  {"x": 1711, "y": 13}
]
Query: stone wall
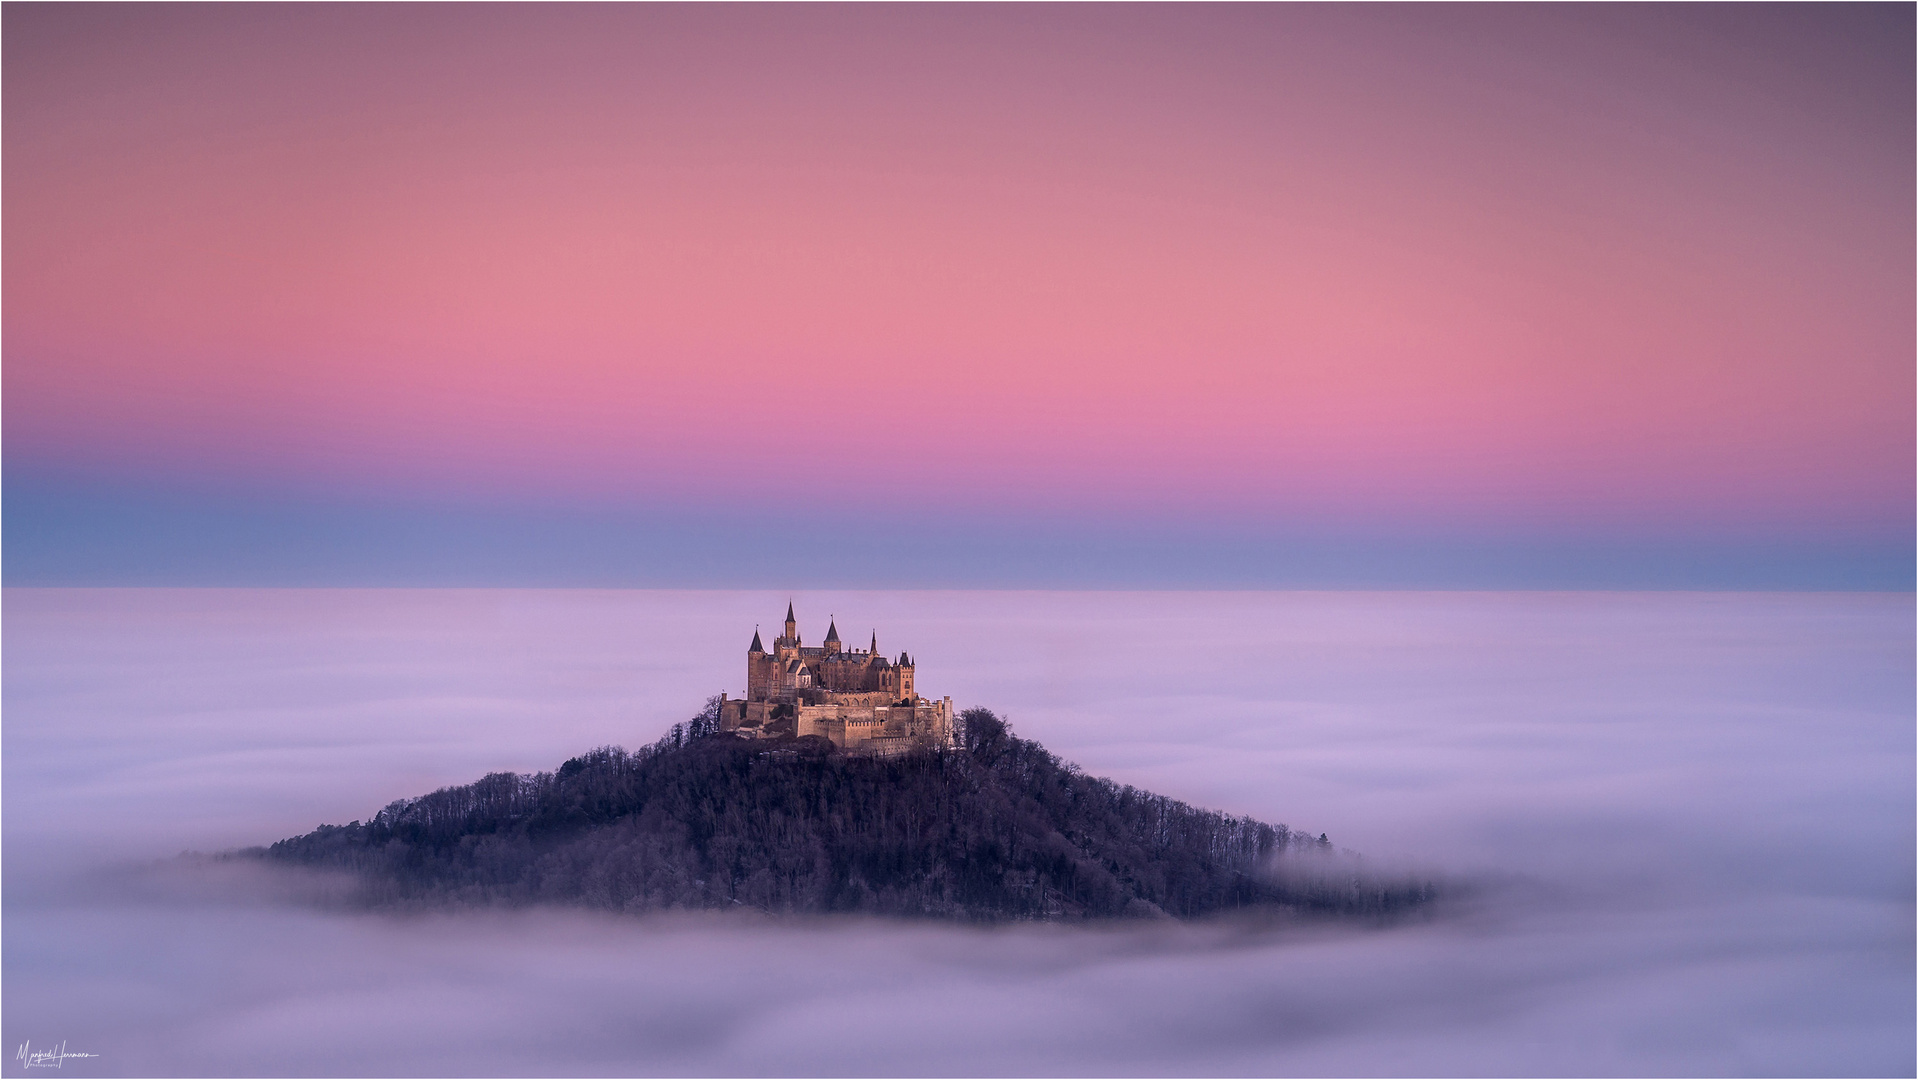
[{"x": 856, "y": 728}]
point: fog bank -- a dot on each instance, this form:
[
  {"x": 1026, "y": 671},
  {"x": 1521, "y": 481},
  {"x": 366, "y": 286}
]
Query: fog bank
[{"x": 1692, "y": 815}]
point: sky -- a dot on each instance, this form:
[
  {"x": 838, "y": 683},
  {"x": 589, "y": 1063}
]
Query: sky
[{"x": 844, "y": 296}]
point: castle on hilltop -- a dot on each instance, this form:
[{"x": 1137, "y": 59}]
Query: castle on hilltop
[{"x": 858, "y": 699}]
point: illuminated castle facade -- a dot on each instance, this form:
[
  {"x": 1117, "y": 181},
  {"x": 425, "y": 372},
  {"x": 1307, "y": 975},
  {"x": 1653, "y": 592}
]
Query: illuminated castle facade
[{"x": 858, "y": 699}]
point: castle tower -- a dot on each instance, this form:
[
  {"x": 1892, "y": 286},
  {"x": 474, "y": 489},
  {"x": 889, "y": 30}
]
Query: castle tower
[
  {"x": 792, "y": 626},
  {"x": 874, "y": 651},
  {"x": 756, "y": 669},
  {"x": 832, "y": 636}
]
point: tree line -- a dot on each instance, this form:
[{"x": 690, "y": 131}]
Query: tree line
[{"x": 996, "y": 828}]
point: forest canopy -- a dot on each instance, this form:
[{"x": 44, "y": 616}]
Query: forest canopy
[{"x": 996, "y": 828}]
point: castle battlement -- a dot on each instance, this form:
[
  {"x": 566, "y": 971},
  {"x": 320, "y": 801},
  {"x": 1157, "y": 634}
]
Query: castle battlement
[{"x": 861, "y": 700}]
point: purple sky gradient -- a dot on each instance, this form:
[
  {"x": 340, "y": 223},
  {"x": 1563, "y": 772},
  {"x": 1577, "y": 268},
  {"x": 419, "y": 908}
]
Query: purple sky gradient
[{"x": 1563, "y": 296}]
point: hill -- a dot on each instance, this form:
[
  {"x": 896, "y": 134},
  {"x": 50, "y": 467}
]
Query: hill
[{"x": 996, "y": 829}]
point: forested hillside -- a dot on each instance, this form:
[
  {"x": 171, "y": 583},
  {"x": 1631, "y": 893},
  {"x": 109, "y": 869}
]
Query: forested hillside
[{"x": 998, "y": 828}]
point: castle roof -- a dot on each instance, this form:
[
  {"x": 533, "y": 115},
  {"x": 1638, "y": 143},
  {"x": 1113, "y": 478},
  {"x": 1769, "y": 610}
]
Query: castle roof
[
  {"x": 789, "y": 612},
  {"x": 832, "y": 631},
  {"x": 756, "y": 646}
]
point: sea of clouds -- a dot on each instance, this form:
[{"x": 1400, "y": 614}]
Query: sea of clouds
[{"x": 1687, "y": 821}]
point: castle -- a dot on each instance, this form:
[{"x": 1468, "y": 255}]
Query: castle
[{"x": 856, "y": 698}]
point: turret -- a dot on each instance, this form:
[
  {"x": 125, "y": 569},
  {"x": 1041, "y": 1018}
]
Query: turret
[
  {"x": 756, "y": 669},
  {"x": 874, "y": 651},
  {"x": 832, "y": 636},
  {"x": 792, "y": 624}
]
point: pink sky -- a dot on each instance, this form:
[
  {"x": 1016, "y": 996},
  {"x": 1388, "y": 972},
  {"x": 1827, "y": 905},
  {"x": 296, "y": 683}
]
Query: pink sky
[{"x": 1631, "y": 268}]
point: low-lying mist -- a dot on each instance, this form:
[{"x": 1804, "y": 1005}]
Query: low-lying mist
[{"x": 1679, "y": 830}]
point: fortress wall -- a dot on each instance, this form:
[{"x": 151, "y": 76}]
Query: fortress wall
[
  {"x": 848, "y": 724},
  {"x": 852, "y": 726},
  {"x": 748, "y": 717},
  {"x": 882, "y": 730},
  {"x": 835, "y": 722},
  {"x": 814, "y": 721}
]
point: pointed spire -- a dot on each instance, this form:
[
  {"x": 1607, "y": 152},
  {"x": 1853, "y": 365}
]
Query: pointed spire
[
  {"x": 874, "y": 651},
  {"x": 789, "y": 612},
  {"x": 756, "y": 646},
  {"x": 832, "y": 630}
]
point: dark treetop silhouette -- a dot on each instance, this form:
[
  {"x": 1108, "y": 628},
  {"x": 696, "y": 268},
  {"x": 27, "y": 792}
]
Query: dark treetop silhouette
[{"x": 994, "y": 828}]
